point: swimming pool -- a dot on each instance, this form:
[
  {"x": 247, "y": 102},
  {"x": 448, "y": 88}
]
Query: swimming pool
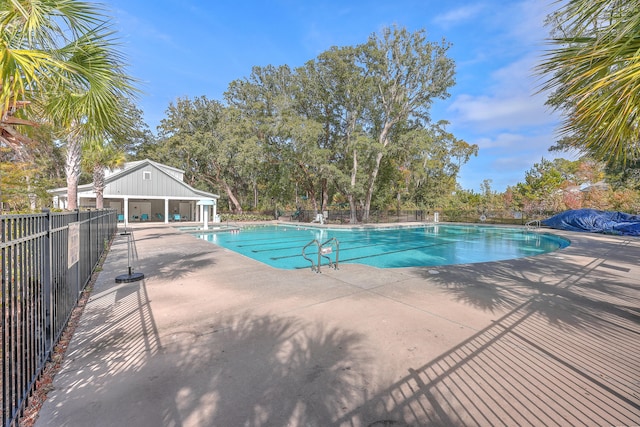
[{"x": 280, "y": 246}]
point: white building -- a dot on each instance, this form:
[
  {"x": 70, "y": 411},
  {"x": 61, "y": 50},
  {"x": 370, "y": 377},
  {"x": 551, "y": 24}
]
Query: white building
[{"x": 146, "y": 191}]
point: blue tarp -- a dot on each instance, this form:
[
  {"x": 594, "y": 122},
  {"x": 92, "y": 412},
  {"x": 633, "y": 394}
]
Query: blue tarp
[{"x": 596, "y": 221}]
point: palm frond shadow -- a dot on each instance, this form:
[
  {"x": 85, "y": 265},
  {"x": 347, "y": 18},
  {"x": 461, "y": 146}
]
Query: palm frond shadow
[
  {"x": 173, "y": 268},
  {"x": 553, "y": 285},
  {"x": 282, "y": 370}
]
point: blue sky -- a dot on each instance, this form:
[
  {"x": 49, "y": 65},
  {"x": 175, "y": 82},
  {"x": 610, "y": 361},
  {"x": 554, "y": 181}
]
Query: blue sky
[{"x": 193, "y": 48}]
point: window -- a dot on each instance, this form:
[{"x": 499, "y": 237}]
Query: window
[{"x": 146, "y": 175}]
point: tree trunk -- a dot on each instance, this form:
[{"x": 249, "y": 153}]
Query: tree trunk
[
  {"x": 325, "y": 195},
  {"x": 72, "y": 192},
  {"x": 30, "y": 195},
  {"x": 353, "y": 208},
  {"x": 217, "y": 179},
  {"x": 72, "y": 170},
  {"x": 374, "y": 173},
  {"x": 98, "y": 186},
  {"x": 371, "y": 187},
  {"x": 237, "y": 207},
  {"x": 255, "y": 193},
  {"x": 353, "y": 218}
]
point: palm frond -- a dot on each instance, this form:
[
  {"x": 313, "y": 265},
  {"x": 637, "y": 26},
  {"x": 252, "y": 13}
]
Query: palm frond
[{"x": 594, "y": 77}]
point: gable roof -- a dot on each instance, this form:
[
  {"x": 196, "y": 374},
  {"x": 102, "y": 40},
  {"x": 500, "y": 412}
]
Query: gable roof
[
  {"x": 178, "y": 173},
  {"x": 130, "y": 181}
]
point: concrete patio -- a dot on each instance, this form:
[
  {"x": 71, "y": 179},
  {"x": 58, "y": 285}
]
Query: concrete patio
[{"x": 211, "y": 338}]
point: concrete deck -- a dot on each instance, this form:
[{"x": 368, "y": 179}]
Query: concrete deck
[{"x": 211, "y": 338}]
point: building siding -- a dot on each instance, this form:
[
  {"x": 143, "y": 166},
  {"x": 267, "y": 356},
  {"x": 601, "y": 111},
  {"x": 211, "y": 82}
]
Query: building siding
[
  {"x": 160, "y": 185},
  {"x": 129, "y": 183}
]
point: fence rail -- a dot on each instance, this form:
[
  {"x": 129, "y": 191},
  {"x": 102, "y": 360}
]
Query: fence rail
[
  {"x": 342, "y": 216},
  {"x": 47, "y": 260}
]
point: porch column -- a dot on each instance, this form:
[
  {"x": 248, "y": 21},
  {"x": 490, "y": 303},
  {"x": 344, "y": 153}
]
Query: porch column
[
  {"x": 166, "y": 210},
  {"x": 126, "y": 211}
]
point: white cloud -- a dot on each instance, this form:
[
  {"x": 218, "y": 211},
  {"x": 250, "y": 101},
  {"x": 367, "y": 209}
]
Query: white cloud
[
  {"x": 505, "y": 157},
  {"x": 516, "y": 76},
  {"x": 508, "y": 143},
  {"x": 500, "y": 111},
  {"x": 521, "y": 163},
  {"x": 509, "y": 100},
  {"x": 530, "y": 29},
  {"x": 501, "y": 140},
  {"x": 457, "y": 16},
  {"x": 136, "y": 27}
]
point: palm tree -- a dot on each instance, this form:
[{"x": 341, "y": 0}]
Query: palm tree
[
  {"x": 98, "y": 111},
  {"x": 594, "y": 70},
  {"x": 99, "y": 155},
  {"x": 60, "y": 60}
]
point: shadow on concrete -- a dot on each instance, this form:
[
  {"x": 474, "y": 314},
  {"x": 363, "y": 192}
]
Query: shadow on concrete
[
  {"x": 237, "y": 370},
  {"x": 172, "y": 268},
  {"x": 521, "y": 371},
  {"x": 117, "y": 336},
  {"x": 571, "y": 292},
  {"x": 169, "y": 264},
  {"x": 565, "y": 352},
  {"x": 265, "y": 370}
]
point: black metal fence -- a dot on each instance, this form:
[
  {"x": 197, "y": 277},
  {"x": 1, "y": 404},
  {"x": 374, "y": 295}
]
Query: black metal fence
[
  {"x": 47, "y": 260},
  {"x": 492, "y": 217},
  {"x": 342, "y": 216}
]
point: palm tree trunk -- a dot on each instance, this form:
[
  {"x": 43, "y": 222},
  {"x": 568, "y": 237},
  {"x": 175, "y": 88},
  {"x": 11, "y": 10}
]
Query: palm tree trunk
[
  {"x": 98, "y": 185},
  {"x": 30, "y": 195},
  {"x": 72, "y": 170}
]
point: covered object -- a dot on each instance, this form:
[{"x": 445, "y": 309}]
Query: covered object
[{"x": 596, "y": 221}]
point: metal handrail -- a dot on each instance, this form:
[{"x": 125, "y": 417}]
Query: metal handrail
[
  {"x": 304, "y": 255},
  {"x": 324, "y": 249},
  {"x": 533, "y": 224}
]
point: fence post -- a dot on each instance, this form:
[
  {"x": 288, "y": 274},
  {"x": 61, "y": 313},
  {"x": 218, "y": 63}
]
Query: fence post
[
  {"x": 77, "y": 211},
  {"x": 47, "y": 285}
]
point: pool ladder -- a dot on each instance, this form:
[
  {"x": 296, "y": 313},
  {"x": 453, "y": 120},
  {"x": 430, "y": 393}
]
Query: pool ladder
[
  {"x": 533, "y": 224},
  {"x": 324, "y": 251}
]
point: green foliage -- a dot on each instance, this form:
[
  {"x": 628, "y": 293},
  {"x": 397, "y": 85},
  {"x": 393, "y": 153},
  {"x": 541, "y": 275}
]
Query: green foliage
[
  {"x": 558, "y": 185},
  {"x": 431, "y": 159},
  {"x": 624, "y": 176},
  {"x": 593, "y": 69},
  {"x": 60, "y": 60},
  {"x": 26, "y": 175},
  {"x": 230, "y": 217},
  {"x": 340, "y": 127},
  {"x": 333, "y": 125}
]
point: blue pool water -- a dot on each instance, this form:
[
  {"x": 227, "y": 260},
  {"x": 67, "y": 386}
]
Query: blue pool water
[{"x": 281, "y": 246}]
